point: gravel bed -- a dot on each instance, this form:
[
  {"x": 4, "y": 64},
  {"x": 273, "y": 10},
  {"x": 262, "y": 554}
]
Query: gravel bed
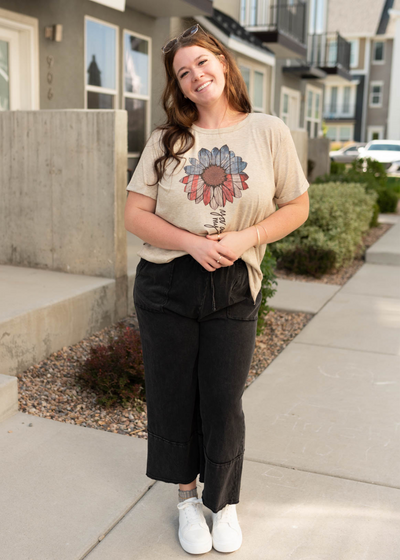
[
  {"x": 340, "y": 277},
  {"x": 50, "y": 389}
]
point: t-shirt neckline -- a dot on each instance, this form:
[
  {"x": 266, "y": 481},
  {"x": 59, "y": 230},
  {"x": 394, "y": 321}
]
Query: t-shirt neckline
[{"x": 231, "y": 128}]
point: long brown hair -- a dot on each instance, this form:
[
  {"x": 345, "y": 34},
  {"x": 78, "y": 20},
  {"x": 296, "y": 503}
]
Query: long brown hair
[{"x": 181, "y": 112}]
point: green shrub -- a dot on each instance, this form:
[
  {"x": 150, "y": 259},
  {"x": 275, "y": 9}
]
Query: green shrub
[
  {"x": 337, "y": 168},
  {"x": 368, "y": 166},
  {"x": 393, "y": 183},
  {"x": 116, "y": 372},
  {"x": 339, "y": 215},
  {"x": 387, "y": 200},
  {"x": 268, "y": 266},
  {"x": 370, "y": 173},
  {"x": 312, "y": 261},
  {"x": 375, "y": 215}
]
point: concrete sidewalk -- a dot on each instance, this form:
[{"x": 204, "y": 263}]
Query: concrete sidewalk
[{"x": 320, "y": 480}]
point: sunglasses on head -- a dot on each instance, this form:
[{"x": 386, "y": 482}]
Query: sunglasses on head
[{"x": 187, "y": 33}]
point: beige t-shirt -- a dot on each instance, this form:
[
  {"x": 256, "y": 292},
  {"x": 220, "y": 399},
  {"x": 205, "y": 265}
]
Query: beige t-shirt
[{"x": 229, "y": 180}]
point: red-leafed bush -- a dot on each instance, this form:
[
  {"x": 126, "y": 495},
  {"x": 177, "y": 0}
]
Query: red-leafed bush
[{"x": 115, "y": 372}]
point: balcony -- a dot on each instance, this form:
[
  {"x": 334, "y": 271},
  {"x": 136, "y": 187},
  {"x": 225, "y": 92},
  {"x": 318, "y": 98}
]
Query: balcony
[
  {"x": 335, "y": 111},
  {"x": 283, "y": 30},
  {"x": 331, "y": 53},
  {"x": 177, "y": 8}
]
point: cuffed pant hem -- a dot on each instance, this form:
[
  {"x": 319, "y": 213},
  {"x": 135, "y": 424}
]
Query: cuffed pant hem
[
  {"x": 219, "y": 506},
  {"x": 169, "y": 480}
]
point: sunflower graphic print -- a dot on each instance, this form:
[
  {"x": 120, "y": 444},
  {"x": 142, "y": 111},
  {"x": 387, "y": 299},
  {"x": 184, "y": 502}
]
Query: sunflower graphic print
[{"x": 216, "y": 177}]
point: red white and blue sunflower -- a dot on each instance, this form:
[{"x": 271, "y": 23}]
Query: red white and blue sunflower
[{"x": 215, "y": 177}]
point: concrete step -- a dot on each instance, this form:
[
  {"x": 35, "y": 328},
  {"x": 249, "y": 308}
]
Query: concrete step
[
  {"x": 387, "y": 249},
  {"x": 8, "y": 396},
  {"x": 41, "y": 311}
]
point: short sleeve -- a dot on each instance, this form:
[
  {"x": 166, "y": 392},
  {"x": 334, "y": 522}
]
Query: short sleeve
[
  {"x": 290, "y": 181},
  {"x": 144, "y": 179}
]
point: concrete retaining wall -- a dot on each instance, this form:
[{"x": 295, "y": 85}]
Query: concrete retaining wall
[
  {"x": 300, "y": 139},
  {"x": 62, "y": 187},
  {"x": 318, "y": 153}
]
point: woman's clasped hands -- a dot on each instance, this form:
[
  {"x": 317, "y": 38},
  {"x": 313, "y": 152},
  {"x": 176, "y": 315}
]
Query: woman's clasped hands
[{"x": 219, "y": 250}]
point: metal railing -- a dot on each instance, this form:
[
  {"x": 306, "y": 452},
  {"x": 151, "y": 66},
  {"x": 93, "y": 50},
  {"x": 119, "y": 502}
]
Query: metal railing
[
  {"x": 328, "y": 51},
  {"x": 286, "y": 18},
  {"x": 339, "y": 111}
]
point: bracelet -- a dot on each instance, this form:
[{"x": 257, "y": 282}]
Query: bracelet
[
  {"x": 258, "y": 237},
  {"x": 265, "y": 232}
]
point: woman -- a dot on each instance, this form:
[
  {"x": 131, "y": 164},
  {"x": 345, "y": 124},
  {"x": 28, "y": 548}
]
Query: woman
[{"x": 205, "y": 222}]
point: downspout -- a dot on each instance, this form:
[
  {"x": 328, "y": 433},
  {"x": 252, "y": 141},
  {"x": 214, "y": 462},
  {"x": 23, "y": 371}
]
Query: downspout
[{"x": 367, "y": 66}]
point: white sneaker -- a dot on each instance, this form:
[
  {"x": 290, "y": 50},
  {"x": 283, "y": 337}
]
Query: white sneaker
[
  {"x": 194, "y": 534},
  {"x": 226, "y": 531}
]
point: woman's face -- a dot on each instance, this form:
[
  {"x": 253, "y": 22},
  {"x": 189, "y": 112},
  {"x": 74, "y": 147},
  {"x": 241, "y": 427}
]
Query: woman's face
[{"x": 200, "y": 74}]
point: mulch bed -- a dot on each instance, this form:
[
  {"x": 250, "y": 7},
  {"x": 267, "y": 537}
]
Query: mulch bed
[{"x": 50, "y": 389}]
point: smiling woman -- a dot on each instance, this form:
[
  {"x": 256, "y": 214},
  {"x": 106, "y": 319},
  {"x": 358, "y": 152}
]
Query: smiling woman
[{"x": 203, "y": 199}]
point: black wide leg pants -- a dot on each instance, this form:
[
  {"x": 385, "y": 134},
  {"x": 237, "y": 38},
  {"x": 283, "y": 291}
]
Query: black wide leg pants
[{"x": 198, "y": 333}]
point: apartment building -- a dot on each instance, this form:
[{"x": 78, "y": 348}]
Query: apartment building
[
  {"x": 363, "y": 109},
  {"x": 89, "y": 54}
]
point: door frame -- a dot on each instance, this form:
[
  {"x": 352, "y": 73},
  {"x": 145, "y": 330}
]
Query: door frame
[{"x": 27, "y": 79}]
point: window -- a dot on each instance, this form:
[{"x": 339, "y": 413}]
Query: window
[
  {"x": 290, "y": 107},
  {"x": 253, "y": 12},
  {"x": 332, "y": 52},
  {"x": 19, "y": 63},
  {"x": 258, "y": 96},
  {"x": 340, "y": 101},
  {"x": 101, "y": 65},
  {"x": 313, "y": 112},
  {"x": 246, "y": 76},
  {"x": 340, "y": 133},
  {"x": 285, "y": 108},
  {"x": 333, "y": 105},
  {"x": 378, "y": 52},
  {"x": 384, "y": 147},
  {"x": 375, "y": 97},
  {"x": 344, "y": 133},
  {"x": 346, "y": 99},
  {"x": 375, "y": 133},
  {"x": 255, "y": 81},
  {"x": 243, "y": 10},
  {"x": 137, "y": 89},
  {"x": 331, "y": 133},
  {"x": 354, "y": 53}
]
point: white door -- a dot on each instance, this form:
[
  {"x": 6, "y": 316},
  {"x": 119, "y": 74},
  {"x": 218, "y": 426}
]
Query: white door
[
  {"x": 290, "y": 105},
  {"x": 10, "y": 68},
  {"x": 293, "y": 123}
]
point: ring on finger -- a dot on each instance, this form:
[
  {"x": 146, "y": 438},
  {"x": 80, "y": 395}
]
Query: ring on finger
[{"x": 219, "y": 260}]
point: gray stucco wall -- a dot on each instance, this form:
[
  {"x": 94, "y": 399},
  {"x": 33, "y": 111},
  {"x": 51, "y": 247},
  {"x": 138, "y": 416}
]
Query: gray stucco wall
[
  {"x": 377, "y": 116},
  {"x": 68, "y": 85}
]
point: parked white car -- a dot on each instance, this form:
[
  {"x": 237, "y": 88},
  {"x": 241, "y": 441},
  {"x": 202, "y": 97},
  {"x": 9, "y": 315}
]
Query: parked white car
[
  {"x": 346, "y": 154},
  {"x": 385, "y": 151}
]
